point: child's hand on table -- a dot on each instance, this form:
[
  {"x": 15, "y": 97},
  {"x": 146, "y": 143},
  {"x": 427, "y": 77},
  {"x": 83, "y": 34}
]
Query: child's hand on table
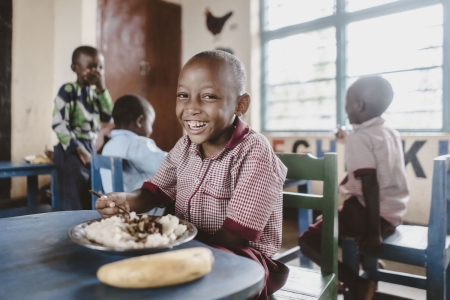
[
  {"x": 369, "y": 243},
  {"x": 106, "y": 205}
]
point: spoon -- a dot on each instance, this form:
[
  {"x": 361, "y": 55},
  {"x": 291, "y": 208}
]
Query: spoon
[{"x": 118, "y": 206}]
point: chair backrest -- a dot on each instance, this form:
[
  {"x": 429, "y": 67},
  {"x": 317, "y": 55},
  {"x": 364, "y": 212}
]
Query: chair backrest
[
  {"x": 308, "y": 167},
  {"x": 114, "y": 165},
  {"x": 439, "y": 223}
]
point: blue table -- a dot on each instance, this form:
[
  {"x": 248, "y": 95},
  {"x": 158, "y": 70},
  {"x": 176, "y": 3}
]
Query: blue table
[
  {"x": 39, "y": 261},
  {"x": 10, "y": 169}
]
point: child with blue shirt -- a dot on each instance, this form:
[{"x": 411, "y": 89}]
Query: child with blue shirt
[
  {"x": 134, "y": 117},
  {"x": 77, "y": 114}
]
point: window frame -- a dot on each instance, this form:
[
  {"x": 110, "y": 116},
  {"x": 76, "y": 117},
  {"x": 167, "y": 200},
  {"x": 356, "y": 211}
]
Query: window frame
[{"x": 340, "y": 20}]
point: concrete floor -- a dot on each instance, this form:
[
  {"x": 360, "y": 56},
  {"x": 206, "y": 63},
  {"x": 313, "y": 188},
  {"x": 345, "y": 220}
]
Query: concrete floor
[{"x": 290, "y": 234}]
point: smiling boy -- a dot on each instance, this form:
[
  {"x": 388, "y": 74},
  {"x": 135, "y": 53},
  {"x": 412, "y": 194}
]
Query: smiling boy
[
  {"x": 77, "y": 113},
  {"x": 224, "y": 176}
]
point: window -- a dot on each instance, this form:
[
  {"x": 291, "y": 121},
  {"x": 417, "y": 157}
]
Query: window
[{"x": 314, "y": 50}]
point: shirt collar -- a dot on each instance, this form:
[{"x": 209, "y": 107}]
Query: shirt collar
[
  {"x": 123, "y": 132},
  {"x": 372, "y": 122},
  {"x": 241, "y": 130}
]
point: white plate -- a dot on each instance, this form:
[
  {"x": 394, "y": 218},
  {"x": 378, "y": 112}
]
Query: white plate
[{"x": 78, "y": 235}]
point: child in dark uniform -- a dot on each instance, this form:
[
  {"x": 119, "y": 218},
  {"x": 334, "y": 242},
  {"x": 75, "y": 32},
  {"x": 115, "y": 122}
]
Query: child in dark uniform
[{"x": 77, "y": 114}]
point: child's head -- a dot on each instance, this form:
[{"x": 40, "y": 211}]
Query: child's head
[
  {"x": 134, "y": 113},
  {"x": 211, "y": 92},
  {"x": 367, "y": 98},
  {"x": 85, "y": 61}
]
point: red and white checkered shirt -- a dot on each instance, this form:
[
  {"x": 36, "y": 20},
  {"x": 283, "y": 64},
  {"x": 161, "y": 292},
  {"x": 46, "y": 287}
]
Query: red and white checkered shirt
[
  {"x": 239, "y": 189},
  {"x": 375, "y": 148}
]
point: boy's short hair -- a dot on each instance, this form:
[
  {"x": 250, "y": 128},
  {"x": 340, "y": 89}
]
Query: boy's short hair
[
  {"x": 235, "y": 65},
  {"x": 129, "y": 107},
  {"x": 375, "y": 91},
  {"x": 85, "y": 50}
]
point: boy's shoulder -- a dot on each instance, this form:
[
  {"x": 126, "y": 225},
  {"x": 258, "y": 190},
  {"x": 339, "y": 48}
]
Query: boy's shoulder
[
  {"x": 69, "y": 87},
  {"x": 377, "y": 133},
  {"x": 129, "y": 137},
  {"x": 254, "y": 138},
  {"x": 68, "y": 91}
]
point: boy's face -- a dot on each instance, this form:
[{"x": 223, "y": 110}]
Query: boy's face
[
  {"x": 147, "y": 125},
  {"x": 86, "y": 67},
  {"x": 207, "y": 100},
  {"x": 352, "y": 107}
]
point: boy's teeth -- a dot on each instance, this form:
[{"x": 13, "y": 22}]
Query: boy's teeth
[{"x": 196, "y": 124}]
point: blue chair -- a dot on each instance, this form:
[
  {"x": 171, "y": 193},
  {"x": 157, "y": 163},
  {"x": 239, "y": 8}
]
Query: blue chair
[
  {"x": 114, "y": 165},
  {"x": 415, "y": 245}
]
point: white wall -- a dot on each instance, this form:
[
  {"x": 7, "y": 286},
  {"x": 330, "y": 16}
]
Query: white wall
[
  {"x": 235, "y": 34},
  {"x": 45, "y": 33}
]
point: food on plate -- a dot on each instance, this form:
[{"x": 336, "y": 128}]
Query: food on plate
[
  {"x": 135, "y": 232},
  {"x": 37, "y": 159},
  {"x": 158, "y": 270}
]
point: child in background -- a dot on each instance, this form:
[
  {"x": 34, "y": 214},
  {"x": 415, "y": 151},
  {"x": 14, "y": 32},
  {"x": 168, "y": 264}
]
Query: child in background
[
  {"x": 225, "y": 177},
  {"x": 375, "y": 186},
  {"x": 77, "y": 114},
  {"x": 130, "y": 140}
]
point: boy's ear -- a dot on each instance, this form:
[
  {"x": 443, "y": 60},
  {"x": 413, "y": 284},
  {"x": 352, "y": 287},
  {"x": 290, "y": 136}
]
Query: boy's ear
[
  {"x": 361, "y": 105},
  {"x": 72, "y": 66},
  {"x": 139, "y": 121},
  {"x": 243, "y": 105}
]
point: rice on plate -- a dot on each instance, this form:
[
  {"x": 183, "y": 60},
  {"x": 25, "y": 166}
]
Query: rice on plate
[{"x": 134, "y": 232}]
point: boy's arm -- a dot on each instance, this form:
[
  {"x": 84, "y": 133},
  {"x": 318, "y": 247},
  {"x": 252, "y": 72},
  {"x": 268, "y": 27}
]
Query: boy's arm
[
  {"x": 139, "y": 201},
  {"x": 259, "y": 177},
  {"x": 106, "y": 106},
  {"x": 371, "y": 193},
  {"x": 221, "y": 238}
]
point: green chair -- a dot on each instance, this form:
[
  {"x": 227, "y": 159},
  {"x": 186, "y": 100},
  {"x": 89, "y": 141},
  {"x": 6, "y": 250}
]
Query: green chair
[{"x": 308, "y": 283}]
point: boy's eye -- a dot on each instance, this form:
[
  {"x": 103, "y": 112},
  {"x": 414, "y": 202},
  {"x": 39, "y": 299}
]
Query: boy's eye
[
  {"x": 208, "y": 97},
  {"x": 182, "y": 95}
]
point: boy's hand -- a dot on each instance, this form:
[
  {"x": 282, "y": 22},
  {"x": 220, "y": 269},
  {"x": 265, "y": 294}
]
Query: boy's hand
[
  {"x": 340, "y": 134},
  {"x": 96, "y": 78},
  {"x": 106, "y": 205},
  {"x": 369, "y": 243},
  {"x": 85, "y": 156}
]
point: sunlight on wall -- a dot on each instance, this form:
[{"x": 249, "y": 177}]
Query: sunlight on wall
[{"x": 45, "y": 33}]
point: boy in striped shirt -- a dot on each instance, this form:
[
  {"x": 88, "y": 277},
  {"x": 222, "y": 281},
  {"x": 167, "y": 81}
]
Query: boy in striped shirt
[
  {"x": 375, "y": 186},
  {"x": 77, "y": 114}
]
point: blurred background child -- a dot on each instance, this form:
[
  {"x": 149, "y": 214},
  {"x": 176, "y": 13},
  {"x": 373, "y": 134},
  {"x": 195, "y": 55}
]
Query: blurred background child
[
  {"x": 134, "y": 116},
  {"x": 77, "y": 114},
  {"x": 375, "y": 186}
]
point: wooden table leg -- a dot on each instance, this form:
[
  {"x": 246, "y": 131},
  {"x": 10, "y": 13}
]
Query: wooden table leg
[{"x": 32, "y": 188}]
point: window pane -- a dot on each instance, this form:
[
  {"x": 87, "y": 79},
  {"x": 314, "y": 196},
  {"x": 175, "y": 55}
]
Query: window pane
[
  {"x": 354, "y": 5},
  {"x": 281, "y": 13},
  {"x": 300, "y": 86},
  {"x": 407, "y": 49}
]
